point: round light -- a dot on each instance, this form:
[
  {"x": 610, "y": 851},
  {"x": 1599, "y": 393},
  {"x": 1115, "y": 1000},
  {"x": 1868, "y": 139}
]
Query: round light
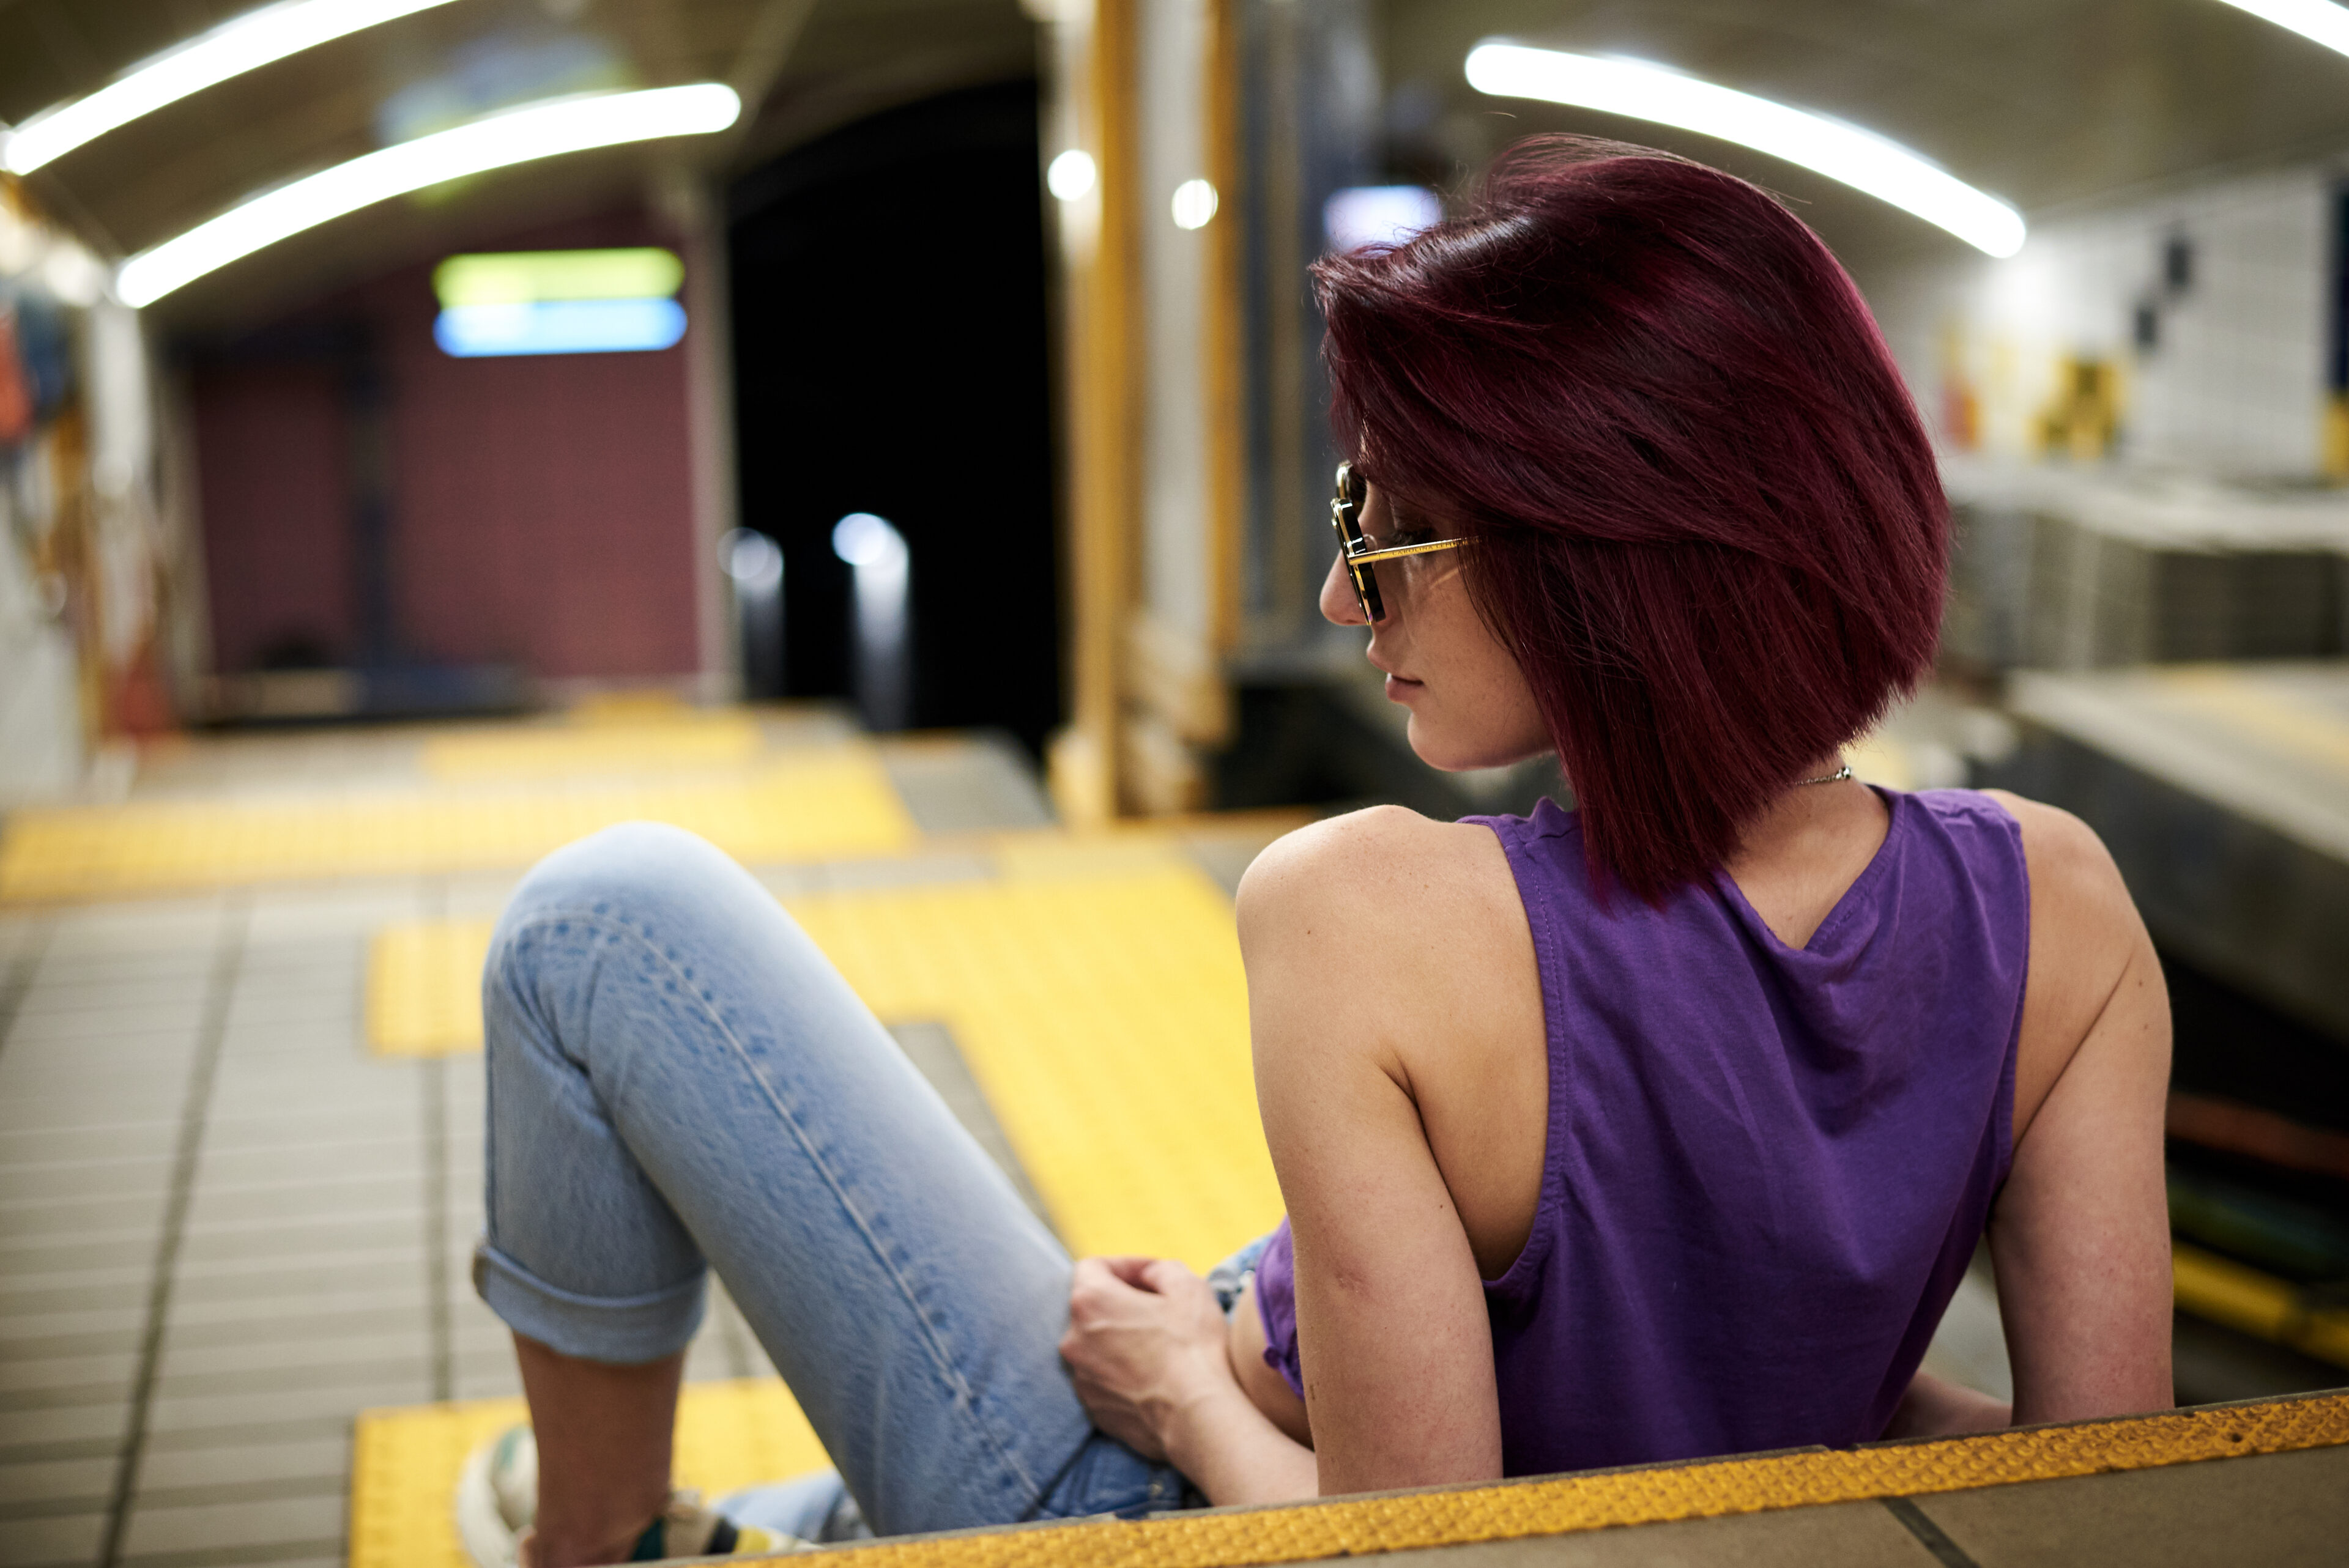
[
  {"x": 1071, "y": 176},
  {"x": 751, "y": 559},
  {"x": 862, "y": 539},
  {"x": 1195, "y": 203}
]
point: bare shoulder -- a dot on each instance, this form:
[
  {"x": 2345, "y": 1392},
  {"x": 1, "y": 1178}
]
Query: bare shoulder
[
  {"x": 1385, "y": 933},
  {"x": 2091, "y": 962},
  {"x": 2075, "y": 885},
  {"x": 1368, "y": 872}
]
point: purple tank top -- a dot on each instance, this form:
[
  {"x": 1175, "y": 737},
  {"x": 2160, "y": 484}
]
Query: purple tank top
[{"x": 1768, "y": 1167}]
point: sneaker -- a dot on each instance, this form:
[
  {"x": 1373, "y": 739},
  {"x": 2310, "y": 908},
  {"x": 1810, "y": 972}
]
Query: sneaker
[
  {"x": 497, "y": 1498},
  {"x": 686, "y": 1529}
]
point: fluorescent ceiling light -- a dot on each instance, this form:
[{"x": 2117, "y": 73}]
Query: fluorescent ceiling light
[
  {"x": 1378, "y": 215},
  {"x": 560, "y": 326},
  {"x": 231, "y": 49},
  {"x": 517, "y": 136},
  {"x": 526, "y": 277},
  {"x": 2319, "y": 21},
  {"x": 1860, "y": 158}
]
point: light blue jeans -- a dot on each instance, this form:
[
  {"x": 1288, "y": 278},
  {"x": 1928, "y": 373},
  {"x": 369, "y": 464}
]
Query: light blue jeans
[{"x": 678, "y": 1078}]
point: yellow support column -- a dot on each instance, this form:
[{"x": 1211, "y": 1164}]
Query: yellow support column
[{"x": 1101, "y": 401}]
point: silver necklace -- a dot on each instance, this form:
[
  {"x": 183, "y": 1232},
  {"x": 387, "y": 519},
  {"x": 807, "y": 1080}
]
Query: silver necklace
[{"x": 1838, "y": 777}]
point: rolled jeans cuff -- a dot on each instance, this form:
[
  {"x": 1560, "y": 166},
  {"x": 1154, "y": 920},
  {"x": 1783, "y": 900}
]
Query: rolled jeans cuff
[{"x": 626, "y": 1331}]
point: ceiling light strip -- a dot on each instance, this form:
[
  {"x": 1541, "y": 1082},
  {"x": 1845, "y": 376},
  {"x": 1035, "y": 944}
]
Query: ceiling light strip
[
  {"x": 516, "y": 136},
  {"x": 1859, "y": 158},
  {"x": 2319, "y": 21},
  {"x": 240, "y": 44}
]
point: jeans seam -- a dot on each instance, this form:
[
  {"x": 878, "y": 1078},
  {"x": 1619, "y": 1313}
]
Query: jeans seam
[{"x": 942, "y": 1362}]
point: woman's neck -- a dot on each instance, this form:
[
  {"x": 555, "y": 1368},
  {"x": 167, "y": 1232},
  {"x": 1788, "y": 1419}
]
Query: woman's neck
[{"x": 1806, "y": 849}]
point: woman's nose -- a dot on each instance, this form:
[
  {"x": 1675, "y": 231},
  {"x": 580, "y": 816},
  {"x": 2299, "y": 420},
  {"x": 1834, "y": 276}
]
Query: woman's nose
[{"x": 1337, "y": 601}]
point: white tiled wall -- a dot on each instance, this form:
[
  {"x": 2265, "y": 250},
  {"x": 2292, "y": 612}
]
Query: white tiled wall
[{"x": 2236, "y": 382}]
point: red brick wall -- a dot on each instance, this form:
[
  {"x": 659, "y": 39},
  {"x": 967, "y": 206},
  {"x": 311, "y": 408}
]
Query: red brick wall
[
  {"x": 543, "y": 506},
  {"x": 274, "y": 476}
]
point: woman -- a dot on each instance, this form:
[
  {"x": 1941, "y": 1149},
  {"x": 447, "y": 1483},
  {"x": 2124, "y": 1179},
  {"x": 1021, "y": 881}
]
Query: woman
[{"x": 1658, "y": 1129}]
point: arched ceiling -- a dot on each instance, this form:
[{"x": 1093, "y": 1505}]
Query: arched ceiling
[
  {"x": 2046, "y": 103},
  {"x": 803, "y": 66}
]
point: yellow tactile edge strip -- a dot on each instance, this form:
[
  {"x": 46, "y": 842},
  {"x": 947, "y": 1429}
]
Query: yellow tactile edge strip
[{"x": 1650, "y": 1496}]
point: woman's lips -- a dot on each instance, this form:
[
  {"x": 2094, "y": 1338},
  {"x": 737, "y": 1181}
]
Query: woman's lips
[{"x": 1401, "y": 690}]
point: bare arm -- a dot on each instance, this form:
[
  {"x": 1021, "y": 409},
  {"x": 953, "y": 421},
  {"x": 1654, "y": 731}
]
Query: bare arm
[
  {"x": 1397, "y": 1348},
  {"x": 1936, "y": 1408},
  {"x": 2080, "y": 1235},
  {"x": 1146, "y": 1347}
]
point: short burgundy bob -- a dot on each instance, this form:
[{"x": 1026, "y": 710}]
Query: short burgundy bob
[{"x": 1710, "y": 526}]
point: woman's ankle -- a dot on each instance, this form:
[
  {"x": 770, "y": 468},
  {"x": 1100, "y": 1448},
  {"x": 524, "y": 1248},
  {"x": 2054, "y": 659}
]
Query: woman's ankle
[{"x": 537, "y": 1550}]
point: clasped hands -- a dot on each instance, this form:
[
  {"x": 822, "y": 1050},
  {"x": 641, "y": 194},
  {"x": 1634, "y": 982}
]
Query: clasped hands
[{"x": 1146, "y": 1346}]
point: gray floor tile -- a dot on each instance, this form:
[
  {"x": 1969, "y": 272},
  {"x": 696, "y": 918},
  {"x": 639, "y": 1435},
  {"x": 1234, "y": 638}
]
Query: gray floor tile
[
  {"x": 149, "y": 1139},
  {"x": 2281, "y": 1510},
  {"x": 393, "y": 1156},
  {"x": 139, "y": 1100},
  {"x": 173, "y": 1469},
  {"x": 111, "y": 1368},
  {"x": 481, "y": 1375},
  {"x": 73, "y": 1538},
  {"x": 141, "y": 1178},
  {"x": 185, "y": 1361},
  {"x": 371, "y": 1316},
  {"x": 310, "y": 1521},
  {"x": 280, "y": 1279},
  {"x": 230, "y": 1129},
  {"x": 967, "y": 784},
  {"x": 123, "y": 1311},
  {"x": 357, "y": 1305},
  {"x": 57, "y": 1482},
  {"x": 38, "y": 1257},
  {"x": 1842, "y": 1535},
  {"x": 289, "y": 1237},
  {"x": 148, "y": 1026},
  {"x": 196, "y": 1413},
  {"x": 49, "y": 1346},
  {"x": 60, "y": 1424},
  {"x": 60, "y": 1217},
  {"x": 320, "y": 1380}
]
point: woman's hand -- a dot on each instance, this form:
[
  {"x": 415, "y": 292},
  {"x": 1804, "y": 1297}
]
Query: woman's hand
[{"x": 1145, "y": 1342}]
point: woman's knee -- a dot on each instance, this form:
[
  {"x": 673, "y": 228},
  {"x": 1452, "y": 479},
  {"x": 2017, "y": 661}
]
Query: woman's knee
[
  {"x": 635, "y": 868},
  {"x": 656, "y": 883}
]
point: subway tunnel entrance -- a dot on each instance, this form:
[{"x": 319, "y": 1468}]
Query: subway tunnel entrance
[{"x": 890, "y": 362}]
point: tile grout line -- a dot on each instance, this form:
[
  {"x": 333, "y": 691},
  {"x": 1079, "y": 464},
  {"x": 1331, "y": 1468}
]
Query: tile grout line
[
  {"x": 1929, "y": 1535},
  {"x": 228, "y": 957},
  {"x": 434, "y": 1077},
  {"x": 19, "y": 983}
]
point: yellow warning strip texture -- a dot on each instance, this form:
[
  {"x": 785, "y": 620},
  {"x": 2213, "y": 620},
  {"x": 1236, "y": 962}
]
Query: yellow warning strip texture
[
  {"x": 828, "y": 803},
  {"x": 1105, "y": 1018},
  {"x": 1592, "y": 1501},
  {"x": 424, "y": 988},
  {"x": 1097, "y": 998},
  {"x": 687, "y": 741},
  {"x": 2224, "y": 1291},
  {"x": 404, "y": 1462}
]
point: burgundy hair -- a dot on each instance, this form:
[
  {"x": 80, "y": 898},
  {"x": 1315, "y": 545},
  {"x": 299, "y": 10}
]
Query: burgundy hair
[{"x": 1710, "y": 526}]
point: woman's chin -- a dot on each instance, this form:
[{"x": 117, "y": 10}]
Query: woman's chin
[{"x": 1445, "y": 749}]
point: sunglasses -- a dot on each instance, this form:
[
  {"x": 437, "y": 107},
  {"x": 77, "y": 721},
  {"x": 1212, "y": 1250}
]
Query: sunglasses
[{"x": 1354, "y": 548}]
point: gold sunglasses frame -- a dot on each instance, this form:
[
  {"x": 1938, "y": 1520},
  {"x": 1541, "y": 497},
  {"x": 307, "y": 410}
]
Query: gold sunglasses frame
[{"x": 1354, "y": 548}]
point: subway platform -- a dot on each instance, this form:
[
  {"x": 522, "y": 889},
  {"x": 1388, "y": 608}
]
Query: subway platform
[{"x": 240, "y": 1103}]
